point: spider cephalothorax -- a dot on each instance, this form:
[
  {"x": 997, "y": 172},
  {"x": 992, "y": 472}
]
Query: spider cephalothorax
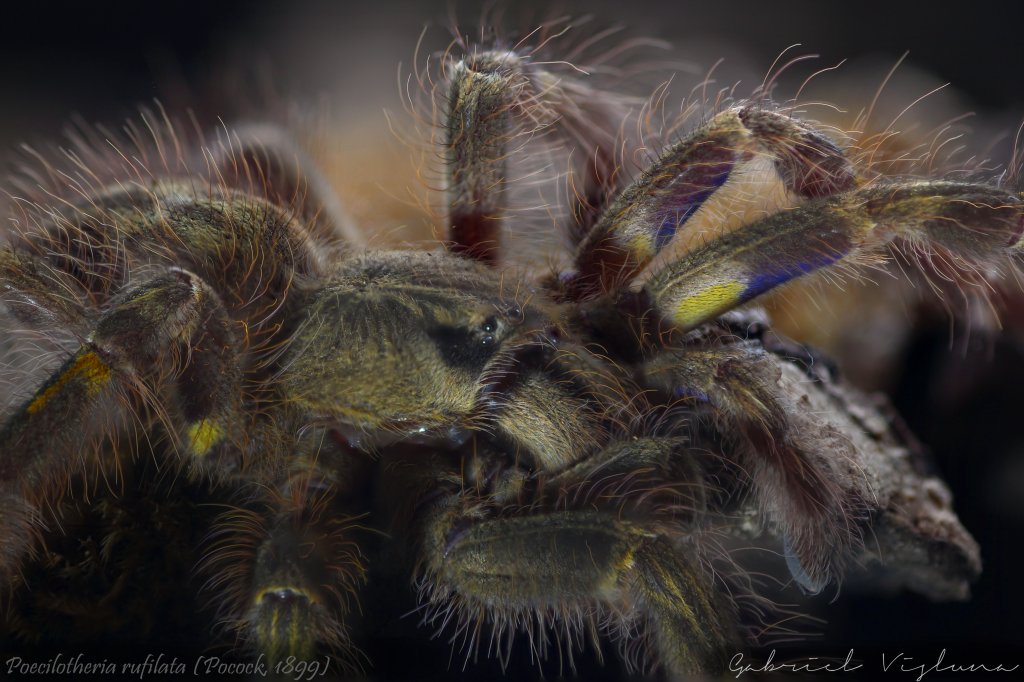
[{"x": 564, "y": 454}]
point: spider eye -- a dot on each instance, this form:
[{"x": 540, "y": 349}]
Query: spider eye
[
  {"x": 489, "y": 327},
  {"x": 469, "y": 347}
]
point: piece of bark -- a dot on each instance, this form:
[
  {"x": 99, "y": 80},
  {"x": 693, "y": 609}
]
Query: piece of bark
[{"x": 912, "y": 537}]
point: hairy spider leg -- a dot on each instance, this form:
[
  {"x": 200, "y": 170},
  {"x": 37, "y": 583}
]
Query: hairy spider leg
[
  {"x": 587, "y": 551},
  {"x": 64, "y": 262},
  {"x": 497, "y": 100},
  {"x": 241, "y": 247},
  {"x": 482, "y": 92},
  {"x": 39, "y": 294},
  {"x": 172, "y": 313},
  {"x": 592, "y": 552},
  {"x": 971, "y": 228},
  {"x": 742, "y": 384},
  {"x": 555, "y": 408},
  {"x": 645, "y": 217},
  {"x": 265, "y": 160},
  {"x": 285, "y": 567}
]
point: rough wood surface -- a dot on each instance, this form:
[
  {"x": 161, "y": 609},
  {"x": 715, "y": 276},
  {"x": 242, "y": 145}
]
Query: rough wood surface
[{"x": 912, "y": 537}]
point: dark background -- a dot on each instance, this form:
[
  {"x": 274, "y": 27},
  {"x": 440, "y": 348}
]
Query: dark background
[{"x": 100, "y": 60}]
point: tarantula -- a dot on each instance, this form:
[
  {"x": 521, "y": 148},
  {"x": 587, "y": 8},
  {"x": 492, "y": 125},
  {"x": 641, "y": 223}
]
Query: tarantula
[{"x": 568, "y": 456}]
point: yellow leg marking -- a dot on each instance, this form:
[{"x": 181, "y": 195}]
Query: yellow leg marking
[
  {"x": 678, "y": 598},
  {"x": 87, "y": 367},
  {"x": 293, "y": 633},
  {"x": 626, "y": 562},
  {"x": 704, "y": 304},
  {"x": 203, "y": 436},
  {"x": 641, "y": 246},
  {"x": 621, "y": 567},
  {"x": 288, "y": 641}
]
